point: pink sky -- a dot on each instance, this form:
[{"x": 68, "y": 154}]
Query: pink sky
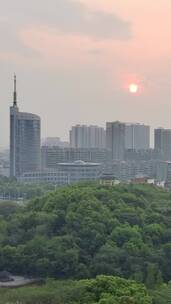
[
  {"x": 150, "y": 25},
  {"x": 87, "y": 71}
]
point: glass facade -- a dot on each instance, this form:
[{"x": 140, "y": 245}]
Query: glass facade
[{"x": 24, "y": 142}]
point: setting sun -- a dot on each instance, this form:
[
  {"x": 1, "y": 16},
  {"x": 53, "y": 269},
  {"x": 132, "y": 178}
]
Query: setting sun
[{"x": 133, "y": 88}]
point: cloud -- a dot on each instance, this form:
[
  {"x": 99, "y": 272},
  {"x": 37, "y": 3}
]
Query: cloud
[
  {"x": 57, "y": 49},
  {"x": 73, "y": 17},
  {"x": 69, "y": 16}
]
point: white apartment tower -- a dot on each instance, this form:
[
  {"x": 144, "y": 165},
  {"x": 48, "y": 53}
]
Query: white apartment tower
[{"x": 82, "y": 136}]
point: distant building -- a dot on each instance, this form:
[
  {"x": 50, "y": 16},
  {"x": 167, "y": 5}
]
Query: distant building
[
  {"x": 82, "y": 136},
  {"x": 81, "y": 171},
  {"x": 51, "y": 156},
  {"x": 139, "y": 155},
  {"x": 164, "y": 171},
  {"x": 4, "y": 163},
  {"x": 115, "y": 139},
  {"x": 121, "y": 137},
  {"x": 65, "y": 174},
  {"x": 143, "y": 180},
  {"x": 24, "y": 140},
  {"x": 162, "y": 142},
  {"x": 55, "y": 177},
  {"x": 128, "y": 170},
  {"x": 108, "y": 180},
  {"x": 137, "y": 136},
  {"x": 54, "y": 142}
]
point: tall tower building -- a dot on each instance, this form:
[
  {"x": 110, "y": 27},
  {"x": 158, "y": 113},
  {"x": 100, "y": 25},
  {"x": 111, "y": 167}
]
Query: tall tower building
[
  {"x": 162, "y": 142},
  {"x": 25, "y": 153},
  {"x": 82, "y": 136},
  {"x": 115, "y": 139},
  {"x": 137, "y": 136}
]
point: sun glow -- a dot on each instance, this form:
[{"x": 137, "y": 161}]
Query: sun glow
[
  {"x": 133, "y": 84},
  {"x": 133, "y": 88}
]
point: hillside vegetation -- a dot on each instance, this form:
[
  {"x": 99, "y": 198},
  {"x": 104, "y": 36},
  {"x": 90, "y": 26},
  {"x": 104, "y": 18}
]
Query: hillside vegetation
[
  {"x": 10, "y": 189},
  {"x": 102, "y": 290},
  {"x": 86, "y": 230}
]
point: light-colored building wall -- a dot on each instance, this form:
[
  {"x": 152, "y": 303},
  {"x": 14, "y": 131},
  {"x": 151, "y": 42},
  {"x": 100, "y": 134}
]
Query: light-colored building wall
[
  {"x": 51, "y": 156},
  {"x": 164, "y": 171},
  {"x": 137, "y": 136},
  {"x": 115, "y": 139},
  {"x": 128, "y": 170},
  {"x": 162, "y": 142},
  {"x": 81, "y": 171},
  {"x": 82, "y": 136},
  {"x": 65, "y": 174},
  {"x": 52, "y": 177}
]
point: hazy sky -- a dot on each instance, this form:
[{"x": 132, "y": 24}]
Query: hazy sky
[{"x": 74, "y": 59}]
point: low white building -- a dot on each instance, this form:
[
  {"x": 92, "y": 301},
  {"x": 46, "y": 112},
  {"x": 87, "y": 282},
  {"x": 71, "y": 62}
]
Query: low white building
[
  {"x": 65, "y": 174},
  {"x": 53, "y": 177},
  {"x": 81, "y": 171}
]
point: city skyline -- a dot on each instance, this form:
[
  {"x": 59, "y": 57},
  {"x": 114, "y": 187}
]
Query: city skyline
[
  {"x": 86, "y": 127},
  {"x": 66, "y": 137},
  {"x": 81, "y": 125},
  {"x": 111, "y": 45},
  {"x": 122, "y": 149}
]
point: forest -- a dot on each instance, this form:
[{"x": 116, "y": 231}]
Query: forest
[
  {"x": 102, "y": 290},
  {"x": 10, "y": 189},
  {"x": 84, "y": 231}
]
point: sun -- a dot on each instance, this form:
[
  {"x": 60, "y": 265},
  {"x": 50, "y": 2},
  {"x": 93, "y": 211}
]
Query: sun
[{"x": 133, "y": 88}]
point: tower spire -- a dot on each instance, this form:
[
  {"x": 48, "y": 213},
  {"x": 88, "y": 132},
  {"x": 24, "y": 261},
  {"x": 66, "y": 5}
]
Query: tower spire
[{"x": 15, "y": 91}]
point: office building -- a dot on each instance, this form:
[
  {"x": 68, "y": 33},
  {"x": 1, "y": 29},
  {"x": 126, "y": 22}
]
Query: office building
[
  {"x": 115, "y": 139},
  {"x": 139, "y": 155},
  {"x": 80, "y": 171},
  {"x": 24, "y": 140},
  {"x": 65, "y": 174},
  {"x": 55, "y": 177},
  {"x": 82, "y": 136},
  {"x": 162, "y": 142},
  {"x": 128, "y": 170},
  {"x": 164, "y": 171},
  {"x": 51, "y": 156},
  {"x": 137, "y": 136}
]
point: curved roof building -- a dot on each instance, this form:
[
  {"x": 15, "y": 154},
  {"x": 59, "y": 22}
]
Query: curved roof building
[{"x": 24, "y": 140}]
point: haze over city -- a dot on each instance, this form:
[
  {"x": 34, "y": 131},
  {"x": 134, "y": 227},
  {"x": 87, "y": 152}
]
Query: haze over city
[
  {"x": 75, "y": 60},
  {"x": 85, "y": 152}
]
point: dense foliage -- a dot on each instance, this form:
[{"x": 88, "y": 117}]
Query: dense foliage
[
  {"x": 11, "y": 189},
  {"x": 85, "y": 230},
  {"x": 162, "y": 295},
  {"x": 102, "y": 290}
]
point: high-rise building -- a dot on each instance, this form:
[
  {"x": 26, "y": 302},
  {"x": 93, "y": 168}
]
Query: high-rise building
[
  {"x": 24, "y": 140},
  {"x": 162, "y": 142},
  {"x": 137, "y": 136},
  {"x": 115, "y": 139},
  {"x": 82, "y": 136}
]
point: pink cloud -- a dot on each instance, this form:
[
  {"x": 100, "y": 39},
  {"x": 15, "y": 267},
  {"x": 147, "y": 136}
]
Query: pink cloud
[{"x": 57, "y": 48}]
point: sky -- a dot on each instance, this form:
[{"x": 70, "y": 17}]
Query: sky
[{"x": 75, "y": 59}]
